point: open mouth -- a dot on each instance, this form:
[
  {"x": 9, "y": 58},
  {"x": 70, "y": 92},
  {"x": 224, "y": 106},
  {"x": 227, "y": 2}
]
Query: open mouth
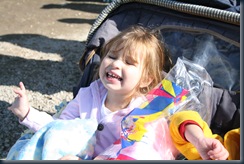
[{"x": 111, "y": 75}]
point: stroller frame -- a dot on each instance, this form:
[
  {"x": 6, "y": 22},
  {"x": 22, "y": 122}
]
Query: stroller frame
[{"x": 192, "y": 18}]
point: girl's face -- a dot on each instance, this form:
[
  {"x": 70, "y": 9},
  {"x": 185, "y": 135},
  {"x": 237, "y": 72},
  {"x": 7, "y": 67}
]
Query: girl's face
[{"x": 120, "y": 73}]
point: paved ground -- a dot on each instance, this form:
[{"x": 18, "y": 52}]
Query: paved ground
[{"x": 41, "y": 42}]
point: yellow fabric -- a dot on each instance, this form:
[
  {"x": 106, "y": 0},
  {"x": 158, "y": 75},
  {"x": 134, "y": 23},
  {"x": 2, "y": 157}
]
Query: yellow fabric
[
  {"x": 232, "y": 144},
  {"x": 186, "y": 148},
  {"x": 231, "y": 139}
]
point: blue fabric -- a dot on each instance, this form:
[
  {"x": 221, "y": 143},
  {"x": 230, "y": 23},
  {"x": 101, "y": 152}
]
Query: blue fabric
[{"x": 55, "y": 140}]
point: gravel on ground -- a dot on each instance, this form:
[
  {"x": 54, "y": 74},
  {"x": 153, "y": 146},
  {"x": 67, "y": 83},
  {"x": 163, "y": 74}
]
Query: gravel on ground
[{"x": 41, "y": 43}]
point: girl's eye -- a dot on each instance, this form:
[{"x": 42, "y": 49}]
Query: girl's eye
[
  {"x": 111, "y": 57},
  {"x": 130, "y": 62}
]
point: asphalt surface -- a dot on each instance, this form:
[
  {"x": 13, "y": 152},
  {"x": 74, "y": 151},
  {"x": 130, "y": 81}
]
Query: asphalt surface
[{"x": 41, "y": 42}]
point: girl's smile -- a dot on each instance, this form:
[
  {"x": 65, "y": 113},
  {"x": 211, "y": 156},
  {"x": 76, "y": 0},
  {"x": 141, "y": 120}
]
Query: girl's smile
[{"x": 112, "y": 76}]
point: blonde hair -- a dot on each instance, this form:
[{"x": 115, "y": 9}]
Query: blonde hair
[{"x": 144, "y": 45}]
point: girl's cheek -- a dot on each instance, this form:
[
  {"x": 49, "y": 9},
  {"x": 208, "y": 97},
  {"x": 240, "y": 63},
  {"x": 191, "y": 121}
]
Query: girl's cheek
[{"x": 105, "y": 62}]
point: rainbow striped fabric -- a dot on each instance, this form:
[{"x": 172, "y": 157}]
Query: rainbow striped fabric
[{"x": 161, "y": 102}]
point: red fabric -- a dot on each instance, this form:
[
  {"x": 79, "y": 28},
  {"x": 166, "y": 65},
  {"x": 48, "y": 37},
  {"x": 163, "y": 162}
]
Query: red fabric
[{"x": 182, "y": 127}]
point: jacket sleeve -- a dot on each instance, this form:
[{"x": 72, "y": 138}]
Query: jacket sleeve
[
  {"x": 84, "y": 105},
  {"x": 185, "y": 147},
  {"x": 72, "y": 109},
  {"x": 35, "y": 119}
]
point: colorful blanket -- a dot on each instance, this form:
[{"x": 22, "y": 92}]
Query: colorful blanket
[
  {"x": 144, "y": 131},
  {"x": 55, "y": 140}
]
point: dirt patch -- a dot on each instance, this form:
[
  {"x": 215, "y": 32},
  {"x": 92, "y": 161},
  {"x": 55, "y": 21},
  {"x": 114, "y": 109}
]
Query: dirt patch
[{"x": 41, "y": 43}]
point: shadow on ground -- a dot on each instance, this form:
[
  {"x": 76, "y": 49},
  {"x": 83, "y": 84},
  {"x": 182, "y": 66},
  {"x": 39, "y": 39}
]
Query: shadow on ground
[
  {"x": 82, "y": 6},
  {"x": 46, "y": 76},
  {"x": 41, "y": 75},
  {"x": 7, "y": 128}
]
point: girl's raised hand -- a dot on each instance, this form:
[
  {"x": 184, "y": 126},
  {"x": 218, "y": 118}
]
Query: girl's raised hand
[{"x": 20, "y": 107}]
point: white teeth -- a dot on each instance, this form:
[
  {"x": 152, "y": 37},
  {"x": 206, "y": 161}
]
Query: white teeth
[{"x": 114, "y": 76}]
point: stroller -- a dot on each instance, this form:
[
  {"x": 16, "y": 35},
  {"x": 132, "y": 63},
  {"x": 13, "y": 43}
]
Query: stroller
[{"x": 205, "y": 32}]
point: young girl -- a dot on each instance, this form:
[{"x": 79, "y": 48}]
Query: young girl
[{"x": 132, "y": 65}]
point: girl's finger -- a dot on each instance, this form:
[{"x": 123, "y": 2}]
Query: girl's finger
[
  {"x": 21, "y": 90},
  {"x": 9, "y": 108},
  {"x": 22, "y": 86}
]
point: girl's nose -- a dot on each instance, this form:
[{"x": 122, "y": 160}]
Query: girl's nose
[{"x": 117, "y": 63}]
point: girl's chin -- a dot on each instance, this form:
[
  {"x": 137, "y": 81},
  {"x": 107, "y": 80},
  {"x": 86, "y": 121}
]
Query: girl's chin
[{"x": 112, "y": 87}]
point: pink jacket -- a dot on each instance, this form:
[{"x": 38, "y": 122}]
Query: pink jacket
[{"x": 87, "y": 104}]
